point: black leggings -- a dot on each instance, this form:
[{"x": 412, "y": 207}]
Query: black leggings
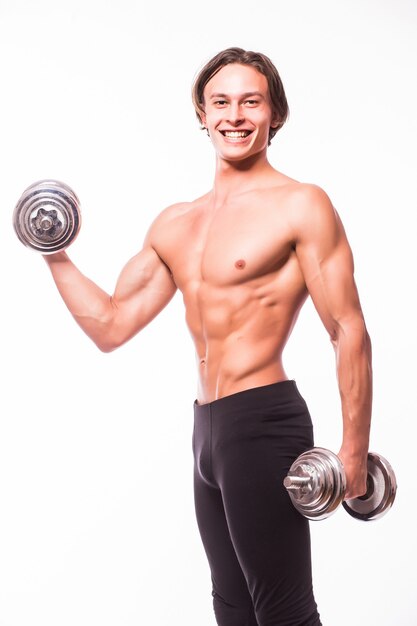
[{"x": 257, "y": 544}]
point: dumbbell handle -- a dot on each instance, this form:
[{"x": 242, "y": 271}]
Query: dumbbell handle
[{"x": 294, "y": 483}]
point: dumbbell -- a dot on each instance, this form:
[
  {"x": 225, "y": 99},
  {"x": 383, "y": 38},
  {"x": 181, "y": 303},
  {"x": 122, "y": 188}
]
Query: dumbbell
[
  {"x": 47, "y": 217},
  {"x": 316, "y": 483}
]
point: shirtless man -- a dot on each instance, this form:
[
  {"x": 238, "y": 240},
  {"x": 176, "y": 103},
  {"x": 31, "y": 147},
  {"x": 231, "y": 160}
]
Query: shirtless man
[{"x": 245, "y": 256}]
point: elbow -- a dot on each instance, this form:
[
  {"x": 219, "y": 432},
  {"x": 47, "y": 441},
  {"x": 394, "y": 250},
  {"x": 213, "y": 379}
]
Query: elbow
[
  {"x": 107, "y": 343},
  {"x": 363, "y": 339},
  {"x": 106, "y": 347},
  {"x": 368, "y": 347},
  {"x": 110, "y": 341},
  {"x": 106, "y": 333},
  {"x": 353, "y": 332},
  {"x": 106, "y": 340}
]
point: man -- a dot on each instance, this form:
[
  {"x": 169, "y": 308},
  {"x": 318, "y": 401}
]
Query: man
[{"x": 245, "y": 256}]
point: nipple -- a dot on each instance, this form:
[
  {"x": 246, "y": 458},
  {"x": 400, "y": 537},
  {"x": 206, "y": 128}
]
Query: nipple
[{"x": 240, "y": 264}]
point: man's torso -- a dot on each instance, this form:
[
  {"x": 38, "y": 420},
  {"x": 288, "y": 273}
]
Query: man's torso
[{"x": 237, "y": 269}]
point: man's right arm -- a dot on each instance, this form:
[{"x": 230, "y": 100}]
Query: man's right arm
[{"x": 144, "y": 288}]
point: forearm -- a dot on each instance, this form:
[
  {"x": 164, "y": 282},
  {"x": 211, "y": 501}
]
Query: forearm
[
  {"x": 354, "y": 373},
  {"x": 90, "y": 306}
]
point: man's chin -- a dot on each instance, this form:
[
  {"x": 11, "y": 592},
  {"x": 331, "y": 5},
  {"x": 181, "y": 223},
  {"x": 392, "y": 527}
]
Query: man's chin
[{"x": 237, "y": 155}]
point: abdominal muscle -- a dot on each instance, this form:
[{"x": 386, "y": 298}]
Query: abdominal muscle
[
  {"x": 222, "y": 375},
  {"x": 239, "y": 339}
]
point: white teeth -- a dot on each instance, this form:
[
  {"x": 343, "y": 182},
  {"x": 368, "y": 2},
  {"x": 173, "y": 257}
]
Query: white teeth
[{"x": 233, "y": 134}]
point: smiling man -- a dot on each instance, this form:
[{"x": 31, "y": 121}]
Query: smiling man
[{"x": 252, "y": 250}]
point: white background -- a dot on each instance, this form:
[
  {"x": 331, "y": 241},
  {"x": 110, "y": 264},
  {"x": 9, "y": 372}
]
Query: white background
[{"x": 97, "y": 523}]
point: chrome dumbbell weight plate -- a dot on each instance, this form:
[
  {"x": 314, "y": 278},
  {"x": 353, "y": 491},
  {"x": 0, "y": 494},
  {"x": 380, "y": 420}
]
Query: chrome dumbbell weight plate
[
  {"x": 47, "y": 217},
  {"x": 316, "y": 483},
  {"x": 380, "y": 494}
]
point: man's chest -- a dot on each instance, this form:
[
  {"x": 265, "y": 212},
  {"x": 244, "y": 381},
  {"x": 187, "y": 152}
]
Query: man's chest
[{"x": 229, "y": 247}]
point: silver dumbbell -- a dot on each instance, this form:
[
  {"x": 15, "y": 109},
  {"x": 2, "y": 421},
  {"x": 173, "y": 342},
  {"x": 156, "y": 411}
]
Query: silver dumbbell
[
  {"x": 47, "y": 217},
  {"x": 316, "y": 483}
]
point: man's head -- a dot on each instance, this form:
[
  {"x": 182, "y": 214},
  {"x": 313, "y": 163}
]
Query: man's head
[{"x": 259, "y": 62}]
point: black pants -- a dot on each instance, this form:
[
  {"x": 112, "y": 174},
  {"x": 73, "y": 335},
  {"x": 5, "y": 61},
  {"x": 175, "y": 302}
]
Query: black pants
[{"x": 257, "y": 544}]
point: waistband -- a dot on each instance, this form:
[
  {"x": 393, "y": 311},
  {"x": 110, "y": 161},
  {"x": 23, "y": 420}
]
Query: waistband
[{"x": 266, "y": 395}]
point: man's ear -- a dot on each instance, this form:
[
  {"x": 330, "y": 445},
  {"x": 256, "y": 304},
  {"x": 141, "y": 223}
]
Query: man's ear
[
  {"x": 203, "y": 118},
  {"x": 275, "y": 122}
]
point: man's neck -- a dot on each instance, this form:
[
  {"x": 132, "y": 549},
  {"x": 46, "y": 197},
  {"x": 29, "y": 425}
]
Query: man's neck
[{"x": 233, "y": 177}]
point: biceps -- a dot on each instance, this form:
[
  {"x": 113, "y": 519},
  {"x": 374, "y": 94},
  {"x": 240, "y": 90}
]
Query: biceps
[
  {"x": 331, "y": 284},
  {"x": 144, "y": 288}
]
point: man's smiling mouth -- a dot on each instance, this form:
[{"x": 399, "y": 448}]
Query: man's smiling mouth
[{"x": 235, "y": 134}]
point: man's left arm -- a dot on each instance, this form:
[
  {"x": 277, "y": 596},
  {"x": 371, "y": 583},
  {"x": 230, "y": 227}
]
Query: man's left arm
[{"x": 326, "y": 262}]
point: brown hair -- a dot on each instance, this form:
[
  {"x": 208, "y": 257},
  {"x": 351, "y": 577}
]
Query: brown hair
[{"x": 257, "y": 60}]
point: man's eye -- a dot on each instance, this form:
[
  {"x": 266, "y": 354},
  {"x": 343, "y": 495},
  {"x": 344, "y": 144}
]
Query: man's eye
[
  {"x": 220, "y": 102},
  {"x": 251, "y": 102}
]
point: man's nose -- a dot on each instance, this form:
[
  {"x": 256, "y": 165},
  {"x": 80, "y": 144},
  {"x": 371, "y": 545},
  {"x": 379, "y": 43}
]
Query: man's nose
[{"x": 235, "y": 116}]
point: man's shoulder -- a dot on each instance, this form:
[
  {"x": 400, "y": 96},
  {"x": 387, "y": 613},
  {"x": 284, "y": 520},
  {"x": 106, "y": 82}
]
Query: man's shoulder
[
  {"x": 171, "y": 213},
  {"x": 311, "y": 214},
  {"x": 284, "y": 191},
  {"x": 174, "y": 218},
  {"x": 180, "y": 209},
  {"x": 307, "y": 202},
  {"x": 300, "y": 193}
]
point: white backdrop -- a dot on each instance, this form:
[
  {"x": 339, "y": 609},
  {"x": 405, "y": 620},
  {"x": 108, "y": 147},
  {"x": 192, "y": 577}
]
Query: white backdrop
[{"x": 96, "y": 510}]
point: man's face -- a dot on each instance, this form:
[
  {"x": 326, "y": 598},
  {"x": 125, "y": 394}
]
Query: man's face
[{"x": 238, "y": 113}]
